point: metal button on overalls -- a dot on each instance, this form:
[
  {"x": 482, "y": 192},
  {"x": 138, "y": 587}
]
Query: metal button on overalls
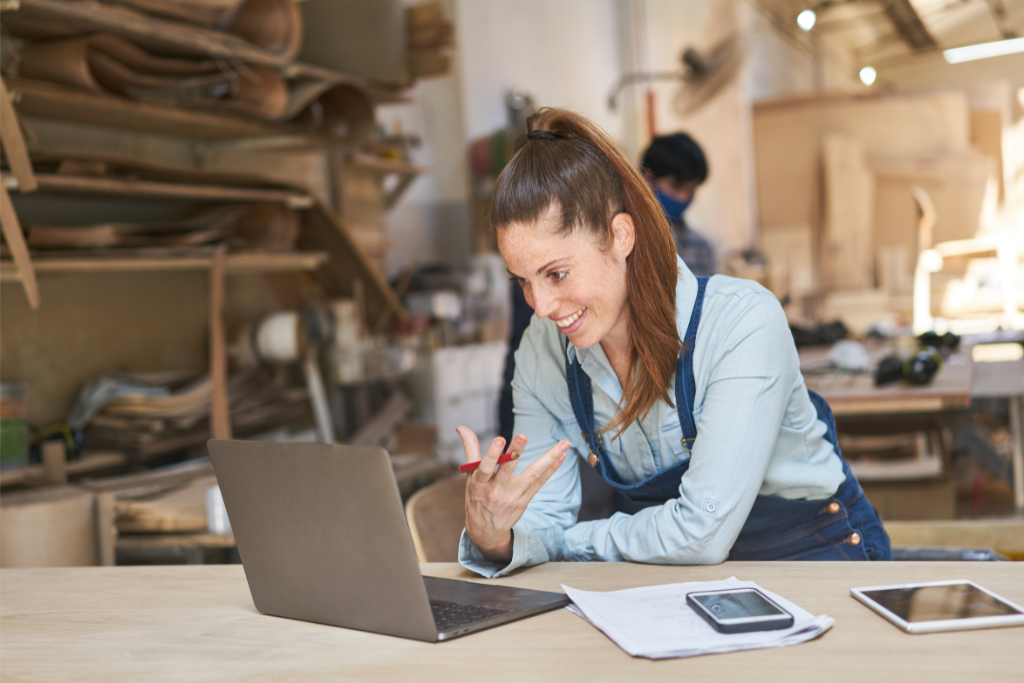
[
  {"x": 853, "y": 539},
  {"x": 833, "y": 508},
  {"x": 592, "y": 459}
]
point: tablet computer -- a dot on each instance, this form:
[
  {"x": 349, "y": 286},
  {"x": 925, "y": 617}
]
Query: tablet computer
[{"x": 940, "y": 606}]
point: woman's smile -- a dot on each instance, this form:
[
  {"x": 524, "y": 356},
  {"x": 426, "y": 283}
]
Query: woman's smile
[{"x": 571, "y": 323}]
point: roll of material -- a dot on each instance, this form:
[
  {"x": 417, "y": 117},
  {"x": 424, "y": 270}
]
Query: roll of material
[
  {"x": 265, "y": 32},
  {"x": 277, "y": 338},
  {"x": 109, "y": 64}
]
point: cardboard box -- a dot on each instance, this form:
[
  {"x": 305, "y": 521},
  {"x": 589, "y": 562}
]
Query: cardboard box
[{"x": 931, "y": 499}]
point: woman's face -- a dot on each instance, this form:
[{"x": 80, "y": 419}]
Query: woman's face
[{"x": 573, "y": 279}]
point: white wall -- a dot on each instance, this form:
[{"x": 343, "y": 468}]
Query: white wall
[{"x": 570, "y": 53}]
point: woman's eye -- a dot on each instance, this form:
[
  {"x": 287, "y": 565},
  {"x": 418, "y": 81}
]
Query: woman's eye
[
  {"x": 520, "y": 281},
  {"x": 559, "y": 275}
]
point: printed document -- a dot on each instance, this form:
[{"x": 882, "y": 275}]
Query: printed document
[{"x": 655, "y": 621}]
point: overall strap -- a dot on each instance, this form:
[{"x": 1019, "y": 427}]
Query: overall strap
[
  {"x": 686, "y": 384},
  {"x": 581, "y": 396}
]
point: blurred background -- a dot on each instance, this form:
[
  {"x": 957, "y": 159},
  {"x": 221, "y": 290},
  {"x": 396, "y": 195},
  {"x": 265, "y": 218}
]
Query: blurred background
[{"x": 268, "y": 219}]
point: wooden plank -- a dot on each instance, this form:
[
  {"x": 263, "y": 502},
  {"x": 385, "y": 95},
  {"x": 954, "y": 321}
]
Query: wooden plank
[
  {"x": 959, "y": 186},
  {"x": 235, "y": 264},
  {"x": 199, "y": 623},
  {"x": 55, "y": 462},
  {"x": 325, "y": 231},
  {"x": 182, "y": 509},
  {"x": 88, "y": 462},
  {"x": 787, "y": 142},
  {"x": 220, "y": 408},
  {"x": 849, "y": 211},
  {"x": 22, "y": 267},
  {"x": 71, "y": 184},
  {"x": 106, "y": 529},
  {"x": 57, "y": 102},
  {"x": 14, "y": 142},
  {"x": 53, "y": 18}
]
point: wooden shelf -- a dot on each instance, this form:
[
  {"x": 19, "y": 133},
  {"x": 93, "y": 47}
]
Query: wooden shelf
[
  {"x": 45, "y": 100},
  {"x": 72, "y": 184},
  {"x": 236, "y": 263},
  {"x": 96, "y": 461}
]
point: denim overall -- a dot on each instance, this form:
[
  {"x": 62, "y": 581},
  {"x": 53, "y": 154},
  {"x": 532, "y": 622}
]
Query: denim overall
[{"x": 776, "y": 528}]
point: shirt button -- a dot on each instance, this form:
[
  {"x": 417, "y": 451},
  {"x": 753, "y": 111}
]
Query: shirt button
[
  {"x": 833, "y": 508},
  {"x": 711, "y": 507},
  {"x": 853, "y": 539},
  {"x": 592, "y": 459}
]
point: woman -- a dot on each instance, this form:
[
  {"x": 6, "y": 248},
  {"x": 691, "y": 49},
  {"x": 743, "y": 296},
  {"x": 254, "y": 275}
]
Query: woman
[{"x": 684, "y": 392}]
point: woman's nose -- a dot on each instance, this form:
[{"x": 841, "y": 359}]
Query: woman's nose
[{"x": 543, "y": 303}]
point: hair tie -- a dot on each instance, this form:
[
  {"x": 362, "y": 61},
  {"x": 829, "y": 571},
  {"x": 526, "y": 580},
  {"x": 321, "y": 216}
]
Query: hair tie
[{"x": 545, "y": 135}]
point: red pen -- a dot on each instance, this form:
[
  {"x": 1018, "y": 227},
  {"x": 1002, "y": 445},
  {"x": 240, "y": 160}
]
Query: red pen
[{"x": 471, "y": 466}]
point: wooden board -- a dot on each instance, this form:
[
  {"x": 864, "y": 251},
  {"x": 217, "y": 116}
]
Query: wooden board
[
  {"x": 788, "y": 134},
  {"x": 133, "y": 187},
  {"x": 856, "y": 394},
  {"x": 199, "y": 624},
  {"x": 848, "y": 247},
  {"x": 790, "y": 254},
  {"x": 958, "y": 185},
  {"x": 58, "y": 102},
  {"x": 182, "y": 509},
  {"x": 235, "y": 263}
]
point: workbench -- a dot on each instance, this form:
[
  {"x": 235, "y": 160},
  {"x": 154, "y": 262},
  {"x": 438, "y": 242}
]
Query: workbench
[{"x": 198, "y": 623}]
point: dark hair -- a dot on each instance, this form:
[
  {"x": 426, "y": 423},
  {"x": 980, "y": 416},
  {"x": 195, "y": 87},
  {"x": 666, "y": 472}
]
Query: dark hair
[
  {"x": 590, "y": 180},
  {"x": 677, "y": 155}
]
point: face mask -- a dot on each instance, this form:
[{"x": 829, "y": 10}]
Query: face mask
[{"x": 674, "y": 208}]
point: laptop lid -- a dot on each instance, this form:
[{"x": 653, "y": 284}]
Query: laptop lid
[{"x": 322, "y": 535}]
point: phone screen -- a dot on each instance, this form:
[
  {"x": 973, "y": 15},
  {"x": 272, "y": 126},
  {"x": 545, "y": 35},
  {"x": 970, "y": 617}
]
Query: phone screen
[{"x": 739, "y": 604}]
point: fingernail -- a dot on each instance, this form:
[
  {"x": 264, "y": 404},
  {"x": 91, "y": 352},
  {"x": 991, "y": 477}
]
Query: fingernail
[
  {"x": 499, "y": 441},
  {"x": 561, "y": 458},
  {"x": 521, "y": 438},
  {"x": 563, "y": 445}
]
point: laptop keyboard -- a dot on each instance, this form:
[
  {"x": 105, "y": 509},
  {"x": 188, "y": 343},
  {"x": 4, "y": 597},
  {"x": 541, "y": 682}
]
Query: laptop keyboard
[{"x": 450, "y": 615}]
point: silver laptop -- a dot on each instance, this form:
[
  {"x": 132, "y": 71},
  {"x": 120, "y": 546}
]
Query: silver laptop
[{"x": 322, "y": 537}]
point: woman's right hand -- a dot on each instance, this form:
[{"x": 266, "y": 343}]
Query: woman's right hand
[{"x": 495, "y": 499}]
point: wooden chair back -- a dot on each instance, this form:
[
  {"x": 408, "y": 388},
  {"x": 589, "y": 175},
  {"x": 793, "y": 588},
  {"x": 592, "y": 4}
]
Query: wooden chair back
[{"x": 437, "y": 515}]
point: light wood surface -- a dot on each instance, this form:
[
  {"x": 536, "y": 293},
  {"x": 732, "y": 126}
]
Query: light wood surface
[
  {"x": 236, "y": 263},
  {"x": 199, "y": 624},
  {"x": 133, "y": 187},
  {"x": 856, "y": 394},
  {"x": 1001, "y": 535}
]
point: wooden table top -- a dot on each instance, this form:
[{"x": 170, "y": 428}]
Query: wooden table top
[
  {"x": 856, "y": 393},
  {"x": 198, "y": 623}
]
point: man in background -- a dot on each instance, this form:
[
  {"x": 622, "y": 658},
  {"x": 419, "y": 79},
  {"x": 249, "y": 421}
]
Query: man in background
[{"x": 674, "y": 166}]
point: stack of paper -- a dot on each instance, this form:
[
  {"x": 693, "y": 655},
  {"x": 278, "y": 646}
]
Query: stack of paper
[{"x": 656, "y": 622}]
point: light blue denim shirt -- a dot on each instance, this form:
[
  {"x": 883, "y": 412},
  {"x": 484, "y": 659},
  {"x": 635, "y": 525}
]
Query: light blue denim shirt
[{"x": 757, "y": 433}]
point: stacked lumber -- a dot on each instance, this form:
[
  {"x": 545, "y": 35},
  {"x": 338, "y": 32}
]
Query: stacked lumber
[
  {"x": 838, "y": 221},
  {"x": 146, "y": 426},
  {"x": 266, "y": 226}
]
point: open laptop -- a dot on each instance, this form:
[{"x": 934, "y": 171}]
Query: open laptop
[{"x": 323, "y": 537}]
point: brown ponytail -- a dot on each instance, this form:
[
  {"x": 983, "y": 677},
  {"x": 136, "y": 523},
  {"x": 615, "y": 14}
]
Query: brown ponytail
[{"x": 591, "y": 180}]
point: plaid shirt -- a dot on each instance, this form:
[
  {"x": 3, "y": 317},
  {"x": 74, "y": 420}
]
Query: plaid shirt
[{"x": 695, "y": 250}]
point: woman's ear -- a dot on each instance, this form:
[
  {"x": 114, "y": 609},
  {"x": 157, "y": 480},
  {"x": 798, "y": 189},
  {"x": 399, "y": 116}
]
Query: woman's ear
[{"x": 623, "y": 234}]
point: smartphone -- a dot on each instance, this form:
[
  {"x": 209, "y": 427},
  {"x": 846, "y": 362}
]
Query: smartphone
[{"x": 739, "y": 610}]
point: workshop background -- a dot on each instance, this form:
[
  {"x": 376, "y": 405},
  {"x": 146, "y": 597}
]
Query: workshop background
[{"x": 267, "y": 219}]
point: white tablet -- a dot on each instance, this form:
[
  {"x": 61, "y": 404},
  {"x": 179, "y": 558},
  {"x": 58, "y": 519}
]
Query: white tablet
[{"x": 940, "y": 606}]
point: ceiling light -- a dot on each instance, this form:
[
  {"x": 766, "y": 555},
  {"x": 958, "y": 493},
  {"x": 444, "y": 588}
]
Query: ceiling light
[
  {"x": 997, "y": 48},
  {"x": 806, "y": 19},
  {"x": 868, "y": 75}
]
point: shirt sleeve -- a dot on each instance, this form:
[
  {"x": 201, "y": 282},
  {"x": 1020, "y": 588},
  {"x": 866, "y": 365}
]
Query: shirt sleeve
[
  {"x": 752, "y": 375},
  {"x": 538, "y": 537}
]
